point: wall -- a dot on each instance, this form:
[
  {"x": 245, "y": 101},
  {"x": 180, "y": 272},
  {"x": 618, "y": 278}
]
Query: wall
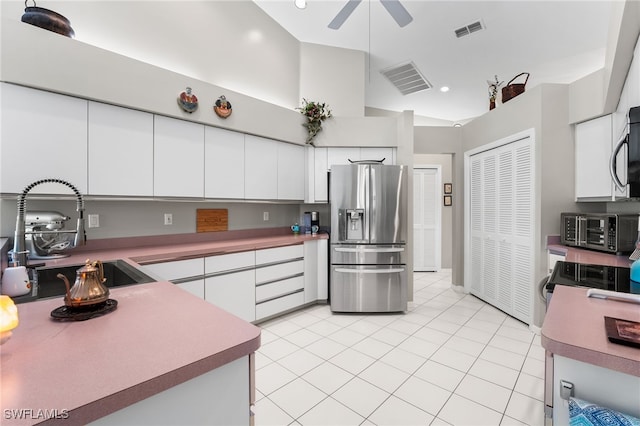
[
  {"x": 345, "y": 93},
  {"x": 446, "y": 213},
  {"x": 145, "y": 218}
]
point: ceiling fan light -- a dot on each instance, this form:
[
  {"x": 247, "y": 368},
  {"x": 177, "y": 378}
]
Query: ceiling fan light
[{"x": 300, "y": 4}]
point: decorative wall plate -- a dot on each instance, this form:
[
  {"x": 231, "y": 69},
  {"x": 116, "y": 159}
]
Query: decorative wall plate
[
  {"x": 222, "y": 107},
  {"x": 188, "y": 101}
]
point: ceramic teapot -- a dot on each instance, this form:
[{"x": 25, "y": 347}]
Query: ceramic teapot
[{"x": 89, "y": 288}]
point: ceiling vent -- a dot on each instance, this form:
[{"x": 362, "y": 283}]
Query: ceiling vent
[
  {"x": 406, "y": 78},
  {"x": 469, "y": 29}
]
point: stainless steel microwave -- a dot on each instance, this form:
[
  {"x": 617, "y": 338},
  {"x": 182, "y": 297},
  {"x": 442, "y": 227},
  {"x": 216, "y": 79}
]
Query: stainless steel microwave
[{"x": 607, "y": 232}]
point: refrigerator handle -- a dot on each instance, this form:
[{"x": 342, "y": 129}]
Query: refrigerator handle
[
  {"x": 370, "y": 250},
  {"x": 369, "y": 271}
]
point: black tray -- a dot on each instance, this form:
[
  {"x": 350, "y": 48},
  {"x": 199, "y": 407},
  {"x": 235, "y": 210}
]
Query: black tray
[
  {"x": 623, "y": 332},
  {"x": 83, "y": 313}
]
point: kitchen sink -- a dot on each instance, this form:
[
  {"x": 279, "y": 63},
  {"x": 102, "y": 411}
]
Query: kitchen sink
[{"x": 117, "y": 273}]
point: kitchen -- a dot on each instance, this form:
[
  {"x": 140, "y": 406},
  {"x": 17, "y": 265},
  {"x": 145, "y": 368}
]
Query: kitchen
[{"x": 142, "y": 218}]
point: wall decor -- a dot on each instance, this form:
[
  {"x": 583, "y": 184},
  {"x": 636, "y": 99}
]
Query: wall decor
[
  {"x": 212, "y": 220},
  {"x": 493, "y": 91},
  {"x": 188, "y": 101},
  {"x": 448, "y": 201},
  {"x": 448, "y": 188},
  {"x": 222, "y": 107}
]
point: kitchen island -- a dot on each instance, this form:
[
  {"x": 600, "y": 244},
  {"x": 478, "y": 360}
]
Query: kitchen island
[
  {"x": 578, "y": 351},
  {"x": 163, "y": 356}
]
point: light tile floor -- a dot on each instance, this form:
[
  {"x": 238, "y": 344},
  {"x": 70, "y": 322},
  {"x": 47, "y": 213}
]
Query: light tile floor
[{"x": 450, "y": 360}]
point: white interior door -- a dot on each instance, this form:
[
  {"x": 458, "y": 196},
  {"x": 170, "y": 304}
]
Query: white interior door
[{"x": 427, "y": 218}]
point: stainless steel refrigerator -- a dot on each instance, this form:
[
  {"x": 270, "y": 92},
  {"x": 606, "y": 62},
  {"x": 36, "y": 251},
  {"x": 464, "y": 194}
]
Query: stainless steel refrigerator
[{"x": 368, "y": 238}]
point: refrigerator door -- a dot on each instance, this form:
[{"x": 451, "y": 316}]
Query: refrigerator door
[
  {"x": 349, "y": 201},
  {"x": 343, "y": 254},
  {"x": 387, "y": 204},
  {"x": 368, "y": 288}
]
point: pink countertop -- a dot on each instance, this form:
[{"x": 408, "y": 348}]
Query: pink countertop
[
  {"x": 593, "y": 257},
  {"x": 179, "y": 248},
  {"x": 574, "y": 328},
  {"x": 158, "y": 337}
]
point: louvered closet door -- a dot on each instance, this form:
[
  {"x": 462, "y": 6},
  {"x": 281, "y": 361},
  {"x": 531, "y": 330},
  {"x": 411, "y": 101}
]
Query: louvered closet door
[
  {"x": 427, "y": 219},
  {"x": 501, "y": 226}
]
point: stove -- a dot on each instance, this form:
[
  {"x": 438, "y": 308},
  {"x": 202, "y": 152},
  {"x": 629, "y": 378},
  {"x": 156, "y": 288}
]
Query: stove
[{"x": 604, "y": 277}]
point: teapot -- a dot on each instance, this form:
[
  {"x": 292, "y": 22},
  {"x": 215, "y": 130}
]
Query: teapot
[{"x": 89, "y": 288}]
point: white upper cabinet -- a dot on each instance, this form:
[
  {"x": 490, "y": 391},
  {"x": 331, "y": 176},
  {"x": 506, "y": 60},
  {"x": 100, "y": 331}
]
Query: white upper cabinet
[
  {"x": 339, "y": 155},
  {"x": 178, "y": 158},
  {"x": 44, "y": 135},
  {"x": 120, "y": 151},
  {"x": 224, "y": 163},
  {"x": 291, "y": 171},
  {"x": 261, "y": 168},
  {"x": 592, "y": 152}
]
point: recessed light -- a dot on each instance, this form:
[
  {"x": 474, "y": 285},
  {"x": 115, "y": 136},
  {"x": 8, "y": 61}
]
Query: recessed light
[
  {"x": 457, "y": 125},
  {"x": 444, "y": 89},
  {"x": 300, "y": 4}
]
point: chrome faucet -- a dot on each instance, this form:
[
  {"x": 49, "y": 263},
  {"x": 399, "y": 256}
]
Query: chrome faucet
[{"x": 20, "y": 253}]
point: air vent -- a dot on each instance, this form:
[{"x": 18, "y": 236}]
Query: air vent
[
  {"x": 406, "y": 78},
  {"x": 471, "y": 28}
]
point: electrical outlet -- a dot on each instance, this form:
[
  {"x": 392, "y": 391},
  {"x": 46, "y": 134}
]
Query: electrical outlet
[
  {"x": 94, "y": 221},
  {"x": 265, "y": 216},
  {"x": 168, "y": 219}
]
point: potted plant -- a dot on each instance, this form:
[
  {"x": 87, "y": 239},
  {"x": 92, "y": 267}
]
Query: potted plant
[{"x": 315, "y": 113}]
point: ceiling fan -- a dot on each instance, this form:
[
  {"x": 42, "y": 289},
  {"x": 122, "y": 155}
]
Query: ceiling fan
[{"x": 394, "y": 7}]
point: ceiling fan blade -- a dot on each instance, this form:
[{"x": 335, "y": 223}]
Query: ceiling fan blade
[
  {"x": 342, "y": 16},
  {"x": 397, "y": 11}
]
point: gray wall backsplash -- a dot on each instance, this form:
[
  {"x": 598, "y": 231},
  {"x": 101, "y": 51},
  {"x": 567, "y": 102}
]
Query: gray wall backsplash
[{"x": 130, "y": 218}]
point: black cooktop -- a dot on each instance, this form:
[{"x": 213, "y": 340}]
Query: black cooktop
[{"x": 613, "y": 278}]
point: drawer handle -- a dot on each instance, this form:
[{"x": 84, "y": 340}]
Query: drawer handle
[{"x": 370, "y": 271}]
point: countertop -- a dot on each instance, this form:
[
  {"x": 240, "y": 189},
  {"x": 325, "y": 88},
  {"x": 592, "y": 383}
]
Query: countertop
[
  {"x": 574, "y": 328},
  {"x": 577, "y": 255},
  {"x": 144, "y": 251},
  {"x": 95, "y": 367}
]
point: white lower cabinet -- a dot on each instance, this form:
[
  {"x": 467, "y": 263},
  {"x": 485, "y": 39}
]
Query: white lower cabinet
[
  {"x": 254, "y": 285},
  {"x": 233, "y": 292},
  {"x": 316, "y": 273},
  {"x": 279, "y": 280}
]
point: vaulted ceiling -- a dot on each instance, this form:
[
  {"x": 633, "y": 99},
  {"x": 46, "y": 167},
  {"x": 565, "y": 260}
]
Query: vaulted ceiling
[{"x": 555, "y": 41}]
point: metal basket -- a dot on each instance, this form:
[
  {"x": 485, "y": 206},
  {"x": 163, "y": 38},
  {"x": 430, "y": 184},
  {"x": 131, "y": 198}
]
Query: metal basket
[{"x": 511, "y": 90}]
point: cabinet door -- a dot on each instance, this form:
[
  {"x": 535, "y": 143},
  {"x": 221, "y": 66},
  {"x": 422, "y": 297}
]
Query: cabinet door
[
  {"x": 178, "y": 158},
  {"x": 261, "y": 168},
  {"x": 235, "y": 293},
  {"x": 176, "y": 269},
  {"x": 195, "y": 287},
  {"x": 290, "y": 172},
  {"x": 321, "y": 177},
  {"x": 377, "y": 154},
  {"x": 43, "y": 135},
  {"x": 224, "y": 163},
  {"x": 592, "y": 152},
  {"x": 120, "y": 151},
  {"x": 342, "y": 155},
  {"x": 316, "y": 270}
]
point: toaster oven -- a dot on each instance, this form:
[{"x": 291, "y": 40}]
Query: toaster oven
[{"x": 607, "y": 232}]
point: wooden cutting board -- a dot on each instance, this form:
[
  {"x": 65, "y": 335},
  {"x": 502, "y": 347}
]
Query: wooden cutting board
[{"x": 212, "y": 220}]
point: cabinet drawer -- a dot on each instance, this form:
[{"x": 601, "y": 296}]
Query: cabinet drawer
[
  {"x": 278, "y": 288},
  {"x": 279, "y": 254},
  {"x": 279, "y": 271},
  {"x": 227, "y": 262},
  {"x": 177, "y": 269},
  {"x": 276, "y": 306}
]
